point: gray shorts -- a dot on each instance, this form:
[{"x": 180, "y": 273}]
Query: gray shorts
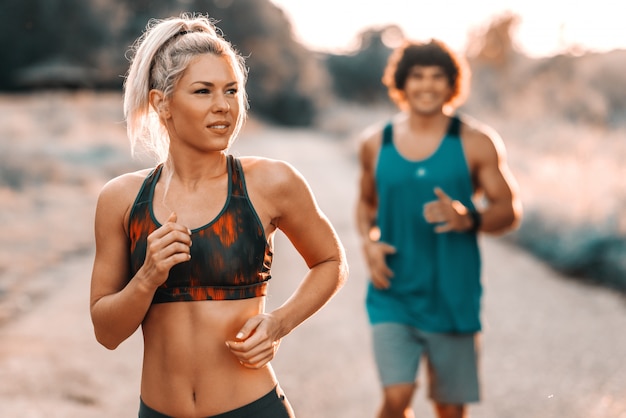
[{"x": 451, "y": 360}]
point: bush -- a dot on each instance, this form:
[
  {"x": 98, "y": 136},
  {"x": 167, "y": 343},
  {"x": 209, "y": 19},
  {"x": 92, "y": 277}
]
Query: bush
[
  {"x": 593, "y": 253},
  {"x": 357, "y": 77}
]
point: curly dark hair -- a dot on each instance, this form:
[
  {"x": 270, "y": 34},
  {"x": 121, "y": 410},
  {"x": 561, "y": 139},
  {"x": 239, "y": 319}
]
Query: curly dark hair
[{"x": 432, "y": 53}]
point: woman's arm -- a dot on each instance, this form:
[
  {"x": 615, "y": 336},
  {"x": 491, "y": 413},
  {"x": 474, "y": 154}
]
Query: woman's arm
[
  {"x": 118, "y": 306},
  {"x": 293, "y": 210}
]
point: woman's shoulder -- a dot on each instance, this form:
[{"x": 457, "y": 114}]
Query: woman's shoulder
[
  {"x": 124, "y": 186},
  {"x": 264, "y": 166},
  {"x": 116, "y": 199},
  {"x": 272, "y": 175}
]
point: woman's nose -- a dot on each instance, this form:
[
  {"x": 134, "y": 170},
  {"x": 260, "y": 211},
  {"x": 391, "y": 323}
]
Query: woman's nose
[{"x": 221, "y": 103}]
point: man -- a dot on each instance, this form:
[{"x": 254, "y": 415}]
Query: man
[{"x": 421, "y": 175}]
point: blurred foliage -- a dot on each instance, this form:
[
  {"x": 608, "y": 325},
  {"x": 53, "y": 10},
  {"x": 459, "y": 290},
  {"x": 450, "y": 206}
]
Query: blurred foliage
[
  {"x": 82, "y": 44},
  {"x": 30, "y": 35},
  {"x": 357, "y": 77},
  {"x": 572, "y": 87},
  {"x": 593, "y": 253}
]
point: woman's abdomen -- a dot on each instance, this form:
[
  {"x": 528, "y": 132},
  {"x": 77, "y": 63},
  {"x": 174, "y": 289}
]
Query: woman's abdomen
[{"x": 187, "y": 368}]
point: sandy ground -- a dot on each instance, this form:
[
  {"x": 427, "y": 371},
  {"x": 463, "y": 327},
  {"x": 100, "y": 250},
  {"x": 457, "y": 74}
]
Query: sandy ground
[{"x": 551, "y": 347}]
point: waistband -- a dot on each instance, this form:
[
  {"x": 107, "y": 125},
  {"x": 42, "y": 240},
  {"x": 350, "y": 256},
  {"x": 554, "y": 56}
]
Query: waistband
[{"x": 245, "y": 411}]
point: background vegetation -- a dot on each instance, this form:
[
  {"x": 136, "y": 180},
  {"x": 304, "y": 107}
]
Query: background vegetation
[{"x": 563, "y": 118}]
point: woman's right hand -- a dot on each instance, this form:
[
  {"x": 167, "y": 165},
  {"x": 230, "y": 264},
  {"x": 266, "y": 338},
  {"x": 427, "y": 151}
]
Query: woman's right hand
[{"x": 167, "y": 246}]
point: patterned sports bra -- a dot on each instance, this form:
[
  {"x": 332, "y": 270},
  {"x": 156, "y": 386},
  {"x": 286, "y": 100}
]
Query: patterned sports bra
[{"x": 230, "y": 256}]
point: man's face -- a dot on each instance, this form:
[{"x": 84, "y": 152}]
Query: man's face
[{"x": 427, "y": 89}]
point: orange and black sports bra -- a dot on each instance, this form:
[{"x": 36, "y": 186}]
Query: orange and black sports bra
[{"x": 230, "y": 256}]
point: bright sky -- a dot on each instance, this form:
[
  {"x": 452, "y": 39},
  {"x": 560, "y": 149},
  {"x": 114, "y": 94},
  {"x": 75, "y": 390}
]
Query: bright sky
[{"x": 546, "y": 27}]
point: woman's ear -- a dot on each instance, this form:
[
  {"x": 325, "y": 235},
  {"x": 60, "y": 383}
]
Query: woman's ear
[{"x": 159, "y": 103}]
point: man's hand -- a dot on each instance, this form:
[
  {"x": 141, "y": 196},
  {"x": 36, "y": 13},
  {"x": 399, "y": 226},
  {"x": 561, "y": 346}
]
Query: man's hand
[
  {"x": 448, "y": 214},
  {"x": 375, "y": 255}
]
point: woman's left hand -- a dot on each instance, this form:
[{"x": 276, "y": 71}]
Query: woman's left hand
[{"x": 257, "y": 342}]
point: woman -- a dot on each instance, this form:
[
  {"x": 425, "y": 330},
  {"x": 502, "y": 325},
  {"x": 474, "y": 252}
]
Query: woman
[{"x": 185, "y": 249}]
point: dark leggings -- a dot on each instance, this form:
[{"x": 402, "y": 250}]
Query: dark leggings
[{"x": 272, "y": 405}]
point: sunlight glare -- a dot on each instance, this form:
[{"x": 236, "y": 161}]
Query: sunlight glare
[{"x": 545, "y": 28}]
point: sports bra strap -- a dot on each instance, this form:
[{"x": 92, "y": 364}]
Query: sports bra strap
[{"x": 236, "y": 176}]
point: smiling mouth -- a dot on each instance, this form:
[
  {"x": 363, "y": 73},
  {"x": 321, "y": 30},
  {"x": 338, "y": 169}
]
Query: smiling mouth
[
  {"x": 427, "y": 96},
  {"x": 219, "y": 126}
]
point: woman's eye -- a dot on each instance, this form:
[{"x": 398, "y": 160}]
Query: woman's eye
[
  {"x": 231, "y": 91},
  {"x": 202, "y": 91}
]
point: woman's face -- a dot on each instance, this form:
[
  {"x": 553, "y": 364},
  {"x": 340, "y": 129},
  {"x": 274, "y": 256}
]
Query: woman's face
[{"x": 203, "y": 109}]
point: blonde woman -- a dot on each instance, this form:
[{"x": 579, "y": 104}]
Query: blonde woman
[{"x": 184, "y": 249}]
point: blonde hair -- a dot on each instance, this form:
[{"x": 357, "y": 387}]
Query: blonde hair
[{"x": 161, "y": 55}]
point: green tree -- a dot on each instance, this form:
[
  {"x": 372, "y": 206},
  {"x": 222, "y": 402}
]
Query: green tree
[
  {"x": 38, "y": 31},
  {"x": 285, "y": 81},
  {"x": 357, "y": 77}
]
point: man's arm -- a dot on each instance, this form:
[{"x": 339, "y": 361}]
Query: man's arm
[
  {"x": 493, "y": 179},
  {"x": 367, "y": 202},
  {"x": 374, "y": 250}
]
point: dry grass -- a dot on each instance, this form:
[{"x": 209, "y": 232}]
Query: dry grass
[
  {"x": 56, "y": 151},
  {"x": 573, "y": 186}
]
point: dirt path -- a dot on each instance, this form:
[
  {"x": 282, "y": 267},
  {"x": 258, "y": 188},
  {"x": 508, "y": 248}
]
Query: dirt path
[{"x": 551, "y": 347}]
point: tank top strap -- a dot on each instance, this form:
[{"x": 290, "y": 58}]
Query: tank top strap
[
  {"x": 454, "y": 128},
  {"x": 388, "y": 133}
]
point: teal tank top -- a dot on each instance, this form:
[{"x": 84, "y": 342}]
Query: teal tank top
[{"x": 436, "y": 285}]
